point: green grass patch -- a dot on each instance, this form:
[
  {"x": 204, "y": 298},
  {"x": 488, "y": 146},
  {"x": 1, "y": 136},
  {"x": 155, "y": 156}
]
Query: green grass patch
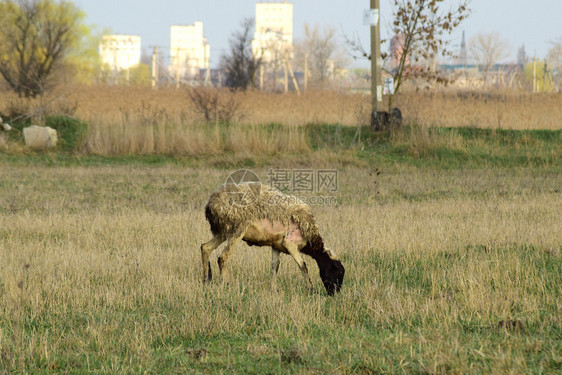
[
  {"x": 448, "y": 148},
  {"x": 447, "y": 271},
  {"x": 71, "y": 132},
  {"x": 151, "y": 336}
]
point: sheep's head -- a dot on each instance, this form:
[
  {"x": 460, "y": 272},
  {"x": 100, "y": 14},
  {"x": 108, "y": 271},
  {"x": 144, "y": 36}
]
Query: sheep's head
[
  {"x": 331, "y": 273},
  {"x": 331, "y": 269}
]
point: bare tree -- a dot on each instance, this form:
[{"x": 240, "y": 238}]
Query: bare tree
[
  {"x": 35, "y": 37},
  {"x": 215, "y": 104},
  {"x": 420, "y": 28},
  {"x": 273, "y": 55},
  {"x": 555, "y": 54},
  {"x": 554, "y": 59},
  {"x": 240, "y": 66},
  {"x": 323, "y": 50},
  {"x": 488, "y": 49}
]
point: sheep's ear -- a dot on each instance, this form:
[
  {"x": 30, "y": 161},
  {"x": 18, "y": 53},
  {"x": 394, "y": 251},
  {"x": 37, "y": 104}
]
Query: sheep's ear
[{"x": 331, "y": 254}]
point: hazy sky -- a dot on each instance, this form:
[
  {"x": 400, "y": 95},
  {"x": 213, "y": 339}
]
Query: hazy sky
[{"x": 533, "y": 24}]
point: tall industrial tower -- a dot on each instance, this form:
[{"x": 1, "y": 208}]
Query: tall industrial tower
[
  {"x": 120, "y": 52},
  {"x": 274, "y": 30},
  {"x": 189, "y": 50}
]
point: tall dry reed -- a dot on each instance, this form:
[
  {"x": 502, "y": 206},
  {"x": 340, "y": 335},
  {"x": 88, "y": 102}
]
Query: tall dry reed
[
  {"x": 505, "y": 109},
  {"x": 131, "y": 136}
]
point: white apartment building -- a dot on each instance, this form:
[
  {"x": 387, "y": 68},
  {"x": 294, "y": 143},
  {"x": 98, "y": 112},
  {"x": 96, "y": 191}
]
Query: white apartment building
[
  {"x": 273, "y": 35},
  {"x": 189, "y": 51},
  {"x": 120, "y": 52}
]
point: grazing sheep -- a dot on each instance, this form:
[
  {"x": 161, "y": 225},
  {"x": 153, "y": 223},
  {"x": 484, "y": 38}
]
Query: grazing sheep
[{"x": 262, "y": 216}]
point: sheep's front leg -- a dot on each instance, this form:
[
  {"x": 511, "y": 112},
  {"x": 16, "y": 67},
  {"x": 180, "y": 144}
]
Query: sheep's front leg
[
  {"x": 297, "y": 256},
  {"x": 226, "y": 253},
  {"x": 206, "y": 250},
  {"x": 274, "y": 268}
]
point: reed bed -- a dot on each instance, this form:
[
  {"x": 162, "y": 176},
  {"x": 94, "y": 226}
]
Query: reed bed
[
  {"x": 162, "y": 138},
  {"x": 507, "y": 110},
  {"x": 495, "y": 110}
]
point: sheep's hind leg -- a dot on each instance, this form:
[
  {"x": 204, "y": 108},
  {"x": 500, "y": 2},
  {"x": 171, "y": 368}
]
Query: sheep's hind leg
[
  {"x": 226, "y": 253},
  {"x": 206, "y": 250},
  {"x": 295, "y": 253},
  {"x": 274, "y": 268}
]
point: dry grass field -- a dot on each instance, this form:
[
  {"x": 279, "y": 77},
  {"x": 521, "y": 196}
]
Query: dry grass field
[
  {"x": 449, "y": 229},
  {"x": 448, "y": 271}
]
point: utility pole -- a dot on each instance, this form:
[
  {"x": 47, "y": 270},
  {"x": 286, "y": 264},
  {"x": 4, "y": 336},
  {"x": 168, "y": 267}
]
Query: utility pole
[
  {"x": 305, "y": 71},
  {"x": 178, "y": 67},
  {"x": 207, "y": 66},
  {"x": 155, "y": 67},
  {"x": 376, "y": 61},
  {"x": 128, "y": 68},
  {"x": 544, "y": 77},
  {"x": 286, "y": 78},
  {"x": 290, "y": 69},
  {"x": 534, "y": 74}
]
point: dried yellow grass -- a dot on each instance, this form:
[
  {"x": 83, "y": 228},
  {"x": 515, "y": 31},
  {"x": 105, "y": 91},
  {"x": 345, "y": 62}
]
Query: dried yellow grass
[
  {"x": 504, "y": 109},
  {"x": 101, "y": 266},
  {"x": 129, "y": 138}
]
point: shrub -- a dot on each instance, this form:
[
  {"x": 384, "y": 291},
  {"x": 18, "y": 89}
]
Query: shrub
[{"x": 71, "y": 132}]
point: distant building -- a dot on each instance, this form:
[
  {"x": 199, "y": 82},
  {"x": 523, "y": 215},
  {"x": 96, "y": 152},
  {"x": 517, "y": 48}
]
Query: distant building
[
  {"x": 462, "y": 58},
  {"x": 120, "y": 52},
  {"x": 189, "y": 51},
  {"x": 397, "y": 50},
  {"x": 274, "y": 30}
]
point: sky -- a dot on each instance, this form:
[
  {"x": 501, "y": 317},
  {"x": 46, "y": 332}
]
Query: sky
[{"x": 520, "y": 22}]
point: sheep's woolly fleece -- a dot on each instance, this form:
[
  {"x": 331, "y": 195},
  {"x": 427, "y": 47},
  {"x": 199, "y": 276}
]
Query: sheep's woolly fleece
[{"x": 233, "y": 207}]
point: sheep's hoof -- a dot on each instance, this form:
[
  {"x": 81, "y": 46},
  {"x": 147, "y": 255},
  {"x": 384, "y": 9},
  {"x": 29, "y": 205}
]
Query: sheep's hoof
[
  {"x": 210, "y": 274},
  {"x": 207, "y": 276}
]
